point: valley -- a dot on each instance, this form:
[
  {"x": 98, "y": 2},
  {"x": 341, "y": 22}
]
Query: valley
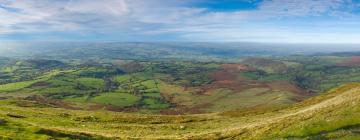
[
  {"x": 179, "y": 70},
  {"x": 257, "y": 97}
]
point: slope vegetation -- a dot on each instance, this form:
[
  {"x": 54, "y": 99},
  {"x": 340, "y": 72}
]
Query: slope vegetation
[{"x": 328, "y": 116}]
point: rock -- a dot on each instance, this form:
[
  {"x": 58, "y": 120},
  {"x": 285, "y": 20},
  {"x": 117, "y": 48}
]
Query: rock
[
  {"x": 182, "y": 127},
  {"x": 15, "y": 115}
]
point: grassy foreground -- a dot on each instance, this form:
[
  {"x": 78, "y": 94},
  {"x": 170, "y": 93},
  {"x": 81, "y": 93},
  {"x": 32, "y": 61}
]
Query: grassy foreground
[{"x": 330, "y": 116}]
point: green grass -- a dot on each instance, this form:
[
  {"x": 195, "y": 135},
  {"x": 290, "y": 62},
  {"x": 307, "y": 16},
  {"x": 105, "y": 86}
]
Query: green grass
[
  {"x": 250, "y": 98},
  {"x": 11, "y": 130},
  {"x": 10, "y": 69},
  {"x": 20, "y": 131},
  {"x": 59, "y": 82},
  {"x": 154, "y": 104},
  {"x": 116, "y": 99},
  {"x": 139, "y": 91},
  {"x": 16, "y": 86},
  {"x": 122, "y": 78},
  {"x": 82, "y": 99},
  {"x": 340, "y": 117},
  {"x": 330, "y": 116},
  {"x": 60, "y": 90},
  {"x": 333, "y": 59},
  {"x": 141, "y": 76},
  {"x": 154, "y": 95},
  {"x": 21, "y": 85},
  {"x": 149, "y": 84},
  {"x": 93, "y": 83}
]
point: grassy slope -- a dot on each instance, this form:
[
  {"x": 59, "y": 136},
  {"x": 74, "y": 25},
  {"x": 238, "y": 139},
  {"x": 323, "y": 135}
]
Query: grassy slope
[
  {"x": 95, "y": 83},
  {"x": 20, "y": 85},
  {"x": 117, "y": 99},
  {"x": 316, "y": 117},
  {"x": 334, "y": 115}
]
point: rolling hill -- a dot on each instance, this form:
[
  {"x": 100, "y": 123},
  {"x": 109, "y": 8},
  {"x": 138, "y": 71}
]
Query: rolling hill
[
  {"x": 332, "y": 115},
  {"x": 284, "y": 97}
]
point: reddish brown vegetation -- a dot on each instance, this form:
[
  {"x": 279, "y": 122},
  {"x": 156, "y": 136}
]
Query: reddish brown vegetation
[
  {"x": 51, "y": 102},
  {"x": 288, "y": 86},
  {"x": 40, "y": 85},
  {"x": 352, "y": 62},
  {"x": 229, "y": 72},
  {"x": 230, "y": 77},
  {"x": 235, "y": 67}
]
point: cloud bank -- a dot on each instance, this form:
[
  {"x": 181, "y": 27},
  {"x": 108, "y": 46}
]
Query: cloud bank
[{"x": 179, "y": 20}]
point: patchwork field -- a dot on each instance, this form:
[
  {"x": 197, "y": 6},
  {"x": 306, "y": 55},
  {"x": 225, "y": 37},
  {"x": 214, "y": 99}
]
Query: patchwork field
[
  {"x": 329, "y": 116},
  {"x": 176, "y": 87},
  {"x": 295, "y": 97}
]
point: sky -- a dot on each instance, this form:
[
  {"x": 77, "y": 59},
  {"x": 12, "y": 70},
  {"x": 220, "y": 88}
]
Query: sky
[{"x": 280, "y": 21}]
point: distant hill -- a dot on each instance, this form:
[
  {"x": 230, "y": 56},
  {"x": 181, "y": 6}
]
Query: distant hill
[
  {"x": 200, "y": 51},
  {"x": 346, "y": 53}
]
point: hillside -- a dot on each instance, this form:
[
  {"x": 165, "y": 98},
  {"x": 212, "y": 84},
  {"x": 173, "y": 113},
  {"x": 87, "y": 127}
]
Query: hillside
[
  {"x": 149, "y": 86},
  {"x": 179, "y": 69},
  {"x": 291, "y": 97},
  {"x": 173, "y": 87},
  {"x": 331, "y": 115}
]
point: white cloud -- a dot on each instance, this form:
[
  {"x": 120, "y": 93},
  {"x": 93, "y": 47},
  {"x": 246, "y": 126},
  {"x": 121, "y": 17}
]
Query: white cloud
[
  {"x": 299, "y": 7},
  {"x": 154, "y": 17},
  {"x": 49, "y": 15},
  {"x": 104, "y": 7}
]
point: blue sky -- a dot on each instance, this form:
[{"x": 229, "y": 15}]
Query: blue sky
[{"x": 288, "y": 21}]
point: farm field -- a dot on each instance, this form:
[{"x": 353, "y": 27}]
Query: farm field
[
  {"x": 121, "y": 99},
  {"x": 177, "y": 87}
]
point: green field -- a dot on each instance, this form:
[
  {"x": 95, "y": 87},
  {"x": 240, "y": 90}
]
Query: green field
[
  {"x": 15, "y": 86},
  {"x": 93, "y": 83},
  {"x": 117, "y": 99},
  {"x": 121, "y": 94}
]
